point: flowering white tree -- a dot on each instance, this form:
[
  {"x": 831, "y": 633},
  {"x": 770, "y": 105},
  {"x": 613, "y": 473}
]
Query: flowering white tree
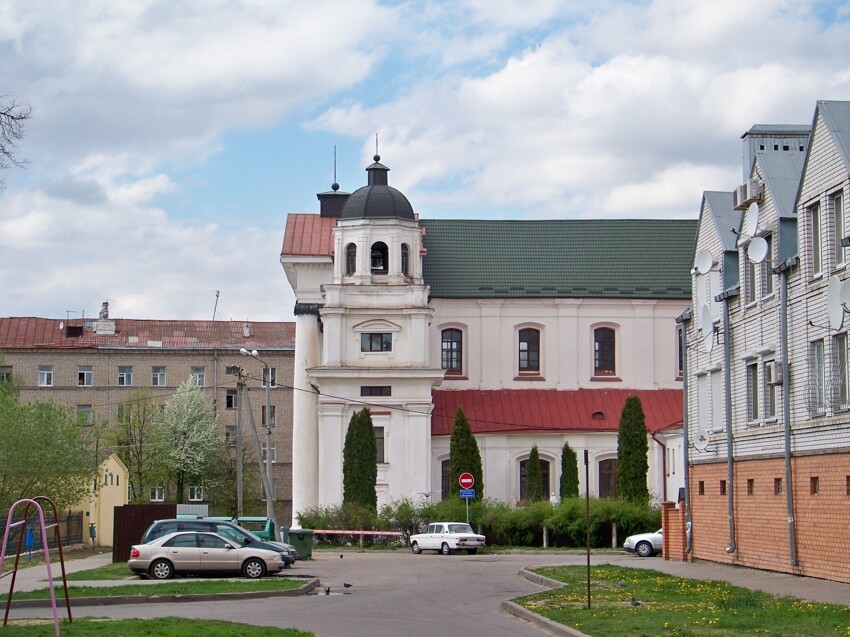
[{"x": 192, "y": 436}]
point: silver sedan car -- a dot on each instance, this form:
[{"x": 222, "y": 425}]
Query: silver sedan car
[{"x": 201, "y": 552}]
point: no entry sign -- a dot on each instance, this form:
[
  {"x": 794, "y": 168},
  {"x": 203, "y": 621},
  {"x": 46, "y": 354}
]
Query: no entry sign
[{"x": 466, "y": 481}]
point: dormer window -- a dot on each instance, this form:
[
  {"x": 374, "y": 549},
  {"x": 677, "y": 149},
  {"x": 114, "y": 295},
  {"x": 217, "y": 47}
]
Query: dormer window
[
  {"x": 379, "y": 258},
  {"x": 350, "y": 259},
  {"x": 405, "y": 259}
]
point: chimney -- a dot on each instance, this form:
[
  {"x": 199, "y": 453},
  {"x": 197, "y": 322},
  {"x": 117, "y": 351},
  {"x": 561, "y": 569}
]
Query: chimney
[
  {"x": 331, "y": 202},
  {"x": 246, "y": 329}
]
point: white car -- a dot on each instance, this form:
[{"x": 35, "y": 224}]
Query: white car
[
  {"x": 645, "y": 544},
  {"x": 446, "y": 537}
]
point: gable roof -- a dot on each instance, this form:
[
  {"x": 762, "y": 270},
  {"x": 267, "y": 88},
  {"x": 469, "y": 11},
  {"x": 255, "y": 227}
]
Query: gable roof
[
  {"x": 308, "y": 235},
  {"x": 605, "y": 258},
  {"x": 518, "y": 411},
  {"x": 782, "y": 172},
  {"x": 727, "y": 220},
  {"x": 836, "y": 116},
  {"x": 43, "y": 333}
]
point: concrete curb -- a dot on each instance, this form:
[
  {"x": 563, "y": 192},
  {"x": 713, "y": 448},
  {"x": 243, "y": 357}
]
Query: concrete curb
[
  {"x": 164, "y": 599},
  {"x": 538, "y": 620}
]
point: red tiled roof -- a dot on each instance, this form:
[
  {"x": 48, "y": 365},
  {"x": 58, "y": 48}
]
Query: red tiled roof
[
  {"x": 30, "y": 332},
  {"x": 308, "y": 235},
  {"x": 542, "y": 410}
]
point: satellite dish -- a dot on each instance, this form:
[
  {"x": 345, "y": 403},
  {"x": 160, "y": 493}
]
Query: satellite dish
[
  {"x": 707, "y": 325},
  {"x": 757, "y": 250},
  {"x": 61, "y": 325},
  {"x": 834, "y": 308},
  {"x": 751, "y": 221},
  {"x": 845, "y": 296},
  {"x": 703, "y": 261},
  {"x": 701, "y": 441}
]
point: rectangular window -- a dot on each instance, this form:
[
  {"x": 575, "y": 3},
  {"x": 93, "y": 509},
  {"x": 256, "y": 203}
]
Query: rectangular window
[
  {"x": 837, "y": 202},
  {"x": 529, "y": 351},
  {"x": 199, "y": 376},
  {"x": 680, "y": 359},
  {"x": 157, "y": 377},
  {"x": 777, "y": 486},
  {"x": 229, "y": 434},
  {"x": 378, "y": 342},
  {"x": 452, "y": 351},
  {"x": 752, "y": 392},
  {"x": 817, "y": 379},
  {"x": 5, "y": 374},
  {"x": 124, "y": 413},
  {"x": 157, "y": 494},
  {"x": 769, "y": 390},
  {"x": 816, "y": 243},
  {"x": 273, "y": 452},
  {"x": 846, "y": 485},
  {"x": 230, "y": 399},
  {"x": 379, "y": 443},
  {"x": 84, "y": 415},
  {"x": 125, "y": 376},
  {"x": 376, "y": 390},
  {"x": 838, "y": 382},
  {"x": 270, "y": 372},
  {"x": 196, "y": 494},
  {"x": 723, "y": 487},
  {"x": 751, "y": 486},
  {"x": 603, "y": 352},
  {"x": 45, "y": 375},
  {"x": 85, "y": 376},
  {"x": 814, "y": 485},
  {"x": 701, "y": 487},
  {"x": 750, "y": 282},
  {"x": 767, "y": 269},
  {"x": 717, "y": 407},
  {"x": 274, "y": 414}
]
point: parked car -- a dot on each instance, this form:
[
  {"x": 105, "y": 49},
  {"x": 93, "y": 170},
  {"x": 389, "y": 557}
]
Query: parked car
[
  {"x": 225, "y": 528},
  {"x": 645, "y": 544},
  {"x": 201, "y": 552},
  {"x": 447, "y": 537}
]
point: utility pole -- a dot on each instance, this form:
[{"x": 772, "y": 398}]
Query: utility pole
[{"x": 240, "y": 389}]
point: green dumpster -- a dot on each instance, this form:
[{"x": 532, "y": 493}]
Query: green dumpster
[{"x": 302, "y": 540}]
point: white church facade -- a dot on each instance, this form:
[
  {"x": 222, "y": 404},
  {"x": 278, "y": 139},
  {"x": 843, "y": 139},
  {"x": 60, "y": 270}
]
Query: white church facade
[{"x": 539, "y": 330}]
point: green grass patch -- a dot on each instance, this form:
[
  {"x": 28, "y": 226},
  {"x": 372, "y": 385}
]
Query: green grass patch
[
  {"x": 675, "y": 606},
  {"x": 114, "y": 571},
  {"x": 189, "y": 586},
  {"x": 171, "y": 626}
]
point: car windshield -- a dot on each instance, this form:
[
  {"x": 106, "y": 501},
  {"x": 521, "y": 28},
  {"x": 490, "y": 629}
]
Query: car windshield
[
  {"x": 460, "y": 528},
  {"x": 236, "y": 535}
]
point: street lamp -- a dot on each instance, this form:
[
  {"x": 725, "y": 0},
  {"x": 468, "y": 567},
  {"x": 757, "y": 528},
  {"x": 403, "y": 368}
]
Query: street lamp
[{"x": 269, "y": 474}]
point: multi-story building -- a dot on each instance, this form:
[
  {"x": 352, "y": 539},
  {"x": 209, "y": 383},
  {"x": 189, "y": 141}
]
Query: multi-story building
[
  {"x": 768, "y": 415},
  {"x": 93, "y": 366},
  {"x": 539, "y": 330}
]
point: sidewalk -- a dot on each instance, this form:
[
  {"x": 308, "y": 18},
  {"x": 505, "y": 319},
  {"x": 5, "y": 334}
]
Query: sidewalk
[{"x": 31, "y": 578}]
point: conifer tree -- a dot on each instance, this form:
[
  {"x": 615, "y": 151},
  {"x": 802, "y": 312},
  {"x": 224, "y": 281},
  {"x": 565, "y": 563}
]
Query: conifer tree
[
  {"x": 569, "y": 472},
  {"x": 464, "y": 456},
  {"x": 360, "y": 462},
  {"x": 632, "y": 450},
  {"x": 533, "y": 477}
]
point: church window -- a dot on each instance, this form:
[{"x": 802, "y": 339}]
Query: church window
[
  {"x": 529, "y": 350},
  {"x": 608, "y": 478},
  {"x": 379, "y": 258},
  {"x": 405, "y": 259},
  {"x": 603, "y": 352},
  {"x": 452, "y": 351},
  {"x": 376, "y": 342},
  {"x": 350, "y": 259},
  {"x": 523, "y": 479}
]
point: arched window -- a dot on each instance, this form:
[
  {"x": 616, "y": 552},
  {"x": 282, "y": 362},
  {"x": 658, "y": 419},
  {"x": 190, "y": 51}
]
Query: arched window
[
  {"x": 603, "y": 352},
  {"x": 379, "y": 258},
  {"x": 608, "y": 478},
  {"x": 529, "y": 350},
  {"x": 523, "y": 478},
  {"x": 444, "y": 479},
  {"x": 350, "y": 259},
  {"x": 405, "y": 259},
  {"x": 452, "y": 351}
]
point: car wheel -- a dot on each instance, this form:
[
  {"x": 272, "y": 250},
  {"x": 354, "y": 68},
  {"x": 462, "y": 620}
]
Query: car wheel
[
  {"x": 472, "y": 551},
  {"x": 445, "y": 550},
  {"x": 253, "y": 568},
  {"x": 644, "y": 549},
  {"x": 161, "y": 569},
  {"x": 416, "y": 548}
]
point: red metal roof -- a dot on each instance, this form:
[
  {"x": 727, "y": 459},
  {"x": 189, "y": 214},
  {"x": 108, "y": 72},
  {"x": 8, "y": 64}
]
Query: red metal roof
[
  {"x": 30, "y": 333},
  {"x": 308, "y": 235},
  {"x": 541, "y": 410}
]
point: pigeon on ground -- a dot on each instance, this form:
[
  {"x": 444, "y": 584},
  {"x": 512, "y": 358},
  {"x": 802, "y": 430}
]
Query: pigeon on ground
[
  {"x": 328, "y": 591},
  {"x": 635, "y": 602},
  {"x": 340, "y": 556},
  {"x": 347, "y": 585},
  {"x": 621, "y": 583}
]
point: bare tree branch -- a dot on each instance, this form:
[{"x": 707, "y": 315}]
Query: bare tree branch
[{"x": 12, "y": 117}]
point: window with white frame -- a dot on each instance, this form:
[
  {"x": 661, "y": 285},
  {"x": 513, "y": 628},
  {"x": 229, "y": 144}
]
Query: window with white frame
[
  {"x": 158, "y": 377},
  {"x": 125, "y": 376},
  {"x": 196, "y": 494},
  {"x": 45, "y": 375},
  {"x": 752, "y": 392},
  {"x": 157, "y": 494},
  {"x": 230, "y": 399},
  {"x": 717, "y": 407},
  {"x": 766, "y": 267},
  {"x": 452, "y": 351},
  {"x": 838, "y": 377},
  {"x": 5, "y": 374},
  {"x": 769, "y": 389},
  {"x": 817, "y": 379},
  {"x": 199, "y": 375},
  {"x": 272, "y": 453},
  {"x": 85, "y": 375},
  {"x": 680, "y": 359},
  {"x": 273, "y": 420},
  {"x": 379, "y": 444},
  {"x": 270, "y": 372},
  {"x": 750, "y": 281},
  {"x": 529, "y": 351},
  {"x": 376, "y": 342},
  {"x": 816, "y": 240},
  {"x": 837, "y": 205},
  {"x": 84, "y": 415},
  {"x": 604, "y": 352}
]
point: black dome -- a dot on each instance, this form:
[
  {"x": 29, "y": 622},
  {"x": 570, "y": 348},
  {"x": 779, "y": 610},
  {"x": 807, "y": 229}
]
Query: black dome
[{"x": 377, "y": 200}]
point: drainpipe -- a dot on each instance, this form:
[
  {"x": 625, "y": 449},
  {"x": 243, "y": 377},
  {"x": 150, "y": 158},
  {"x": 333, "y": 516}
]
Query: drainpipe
[
  {"x": 786, "y": 403},
  {"x": 683, "y": 320},
  {"x": 727, "y": 380},
  {"x": 663, "y": 466}
]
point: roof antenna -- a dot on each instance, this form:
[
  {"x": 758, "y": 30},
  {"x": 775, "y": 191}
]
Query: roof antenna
[
  {"x": 215, "y": 307},
  {"x": 377, "y": 156},
  {"x": 335, "y": 185}
]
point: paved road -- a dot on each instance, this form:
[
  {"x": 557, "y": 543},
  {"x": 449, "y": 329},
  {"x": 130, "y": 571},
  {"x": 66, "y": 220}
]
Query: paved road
[{"x": 403, "y": 594}]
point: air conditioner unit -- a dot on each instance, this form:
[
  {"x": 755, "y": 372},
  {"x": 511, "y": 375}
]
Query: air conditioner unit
[
  {"x": 774, "y": 369},
  {"x": 753, "y": 190},
  {"x": 739, "y": 197}
]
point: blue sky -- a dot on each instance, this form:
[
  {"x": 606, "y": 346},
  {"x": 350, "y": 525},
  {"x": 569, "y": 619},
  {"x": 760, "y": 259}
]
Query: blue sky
[{"x": 170, "y": 140}]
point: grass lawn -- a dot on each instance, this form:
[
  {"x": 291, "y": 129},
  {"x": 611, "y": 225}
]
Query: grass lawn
[
  {"x": 189, "y": 586},
  {"x": 676, "y": 606},
  {"x": 114, "y": 571},
  {"x": 171, "y": 626}
]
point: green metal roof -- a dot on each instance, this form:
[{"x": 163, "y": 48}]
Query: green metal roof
[{"x": 604, "y": 258}]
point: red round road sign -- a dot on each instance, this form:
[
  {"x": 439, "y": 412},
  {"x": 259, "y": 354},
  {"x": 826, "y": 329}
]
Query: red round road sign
[{"x": 466, "y": 480}]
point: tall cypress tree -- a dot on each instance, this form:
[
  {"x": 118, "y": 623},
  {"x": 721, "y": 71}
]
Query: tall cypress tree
[
  {"x": 464, "y": 456},
  {"x": 360, "y": 462},
  {"x": 632, "y": 450},
  {"x": 533, "y": 477},
  {"x": 569, "y": 472}
]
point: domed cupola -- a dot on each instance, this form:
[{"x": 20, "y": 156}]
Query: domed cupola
[{"x": 378, "y": 200}]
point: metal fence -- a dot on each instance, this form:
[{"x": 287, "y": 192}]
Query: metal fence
[{"x": 70, "y": 528}]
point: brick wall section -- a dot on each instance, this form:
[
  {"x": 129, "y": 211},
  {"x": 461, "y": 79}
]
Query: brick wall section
[
  {"x": 822, "y": 520},
  {"x": 675, "y": 539}
]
